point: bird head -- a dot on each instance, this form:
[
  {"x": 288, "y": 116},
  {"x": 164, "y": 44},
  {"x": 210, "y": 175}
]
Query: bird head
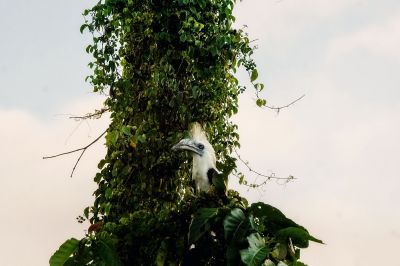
[
  {"x": 191, "y": 145},
  {"x": 197, "y": 144}
]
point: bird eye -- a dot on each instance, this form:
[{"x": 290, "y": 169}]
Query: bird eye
[{"x": 200, "y": 146}]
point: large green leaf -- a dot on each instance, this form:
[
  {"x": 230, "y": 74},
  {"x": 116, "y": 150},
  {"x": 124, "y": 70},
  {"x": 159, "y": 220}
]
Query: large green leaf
[
  {"x": 257, "y": 251},
  {"x": 236, "y": 226},
  {"x": 298, "y": 236},
  {"x": 64, "y": 252},
  {"x": 270, "y": 218},
  {"x": 108, "y": 254},
  {"x": 232, "y": 255},
  {"x": 201, "y": 223}
]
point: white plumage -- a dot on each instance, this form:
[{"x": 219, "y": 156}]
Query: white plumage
[{"x": 204, "y": 160}]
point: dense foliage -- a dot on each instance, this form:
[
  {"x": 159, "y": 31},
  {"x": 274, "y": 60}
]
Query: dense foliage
[{"x": 165, "y": 64}]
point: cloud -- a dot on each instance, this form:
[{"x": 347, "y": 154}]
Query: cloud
[
  {"x": 39, "y": 200},
  {"x": 282, "y": 22},
  {"x": 381, "y": 39}
]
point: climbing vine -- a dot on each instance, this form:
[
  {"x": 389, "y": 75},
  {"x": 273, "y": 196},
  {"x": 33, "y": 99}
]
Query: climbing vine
[{"x": 165, "y": 64}]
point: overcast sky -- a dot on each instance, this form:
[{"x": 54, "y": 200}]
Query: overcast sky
[{"x": 341, "y": 141}]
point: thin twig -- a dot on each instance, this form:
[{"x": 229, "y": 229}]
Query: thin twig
[
  {"x": 279, "y": 108},
  {"x": 83, "y": 149},
  {"x": 255, "y": 40},
  {"x": 97, "y": 114},
  {"x": 268, "y": 177}
]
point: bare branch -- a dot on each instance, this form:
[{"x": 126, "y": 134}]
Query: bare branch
[
  {"x": 279, "y": 108},
  {"x": 95, "y": 115},
  {"x": 267, "y": 177},
  {"x": 83, "y": 149}
]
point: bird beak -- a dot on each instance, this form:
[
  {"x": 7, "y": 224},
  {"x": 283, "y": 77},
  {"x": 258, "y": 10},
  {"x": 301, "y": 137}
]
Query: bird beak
[{"x": 187, "y": 144}]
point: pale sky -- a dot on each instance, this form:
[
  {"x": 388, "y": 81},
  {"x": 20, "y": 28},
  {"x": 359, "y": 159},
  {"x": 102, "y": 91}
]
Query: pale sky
[{"x": 341, "y": 141}]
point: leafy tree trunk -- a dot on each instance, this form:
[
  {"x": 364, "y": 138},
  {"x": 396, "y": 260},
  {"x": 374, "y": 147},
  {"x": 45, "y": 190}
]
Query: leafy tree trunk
[{"x": 166, "y": 64}]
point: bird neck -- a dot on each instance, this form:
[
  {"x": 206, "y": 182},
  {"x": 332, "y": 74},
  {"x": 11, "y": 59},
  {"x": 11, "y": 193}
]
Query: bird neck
[{"x": 205, "y": 161}]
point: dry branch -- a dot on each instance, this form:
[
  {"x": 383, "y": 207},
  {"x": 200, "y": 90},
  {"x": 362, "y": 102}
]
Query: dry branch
[{"x": 83, "y": 149}]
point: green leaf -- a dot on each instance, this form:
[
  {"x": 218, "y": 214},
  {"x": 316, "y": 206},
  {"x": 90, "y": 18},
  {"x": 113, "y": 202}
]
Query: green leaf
[
  {"x": 299, "y": 236},
  {"x": 268, "y": 263},
  {"x": 82, "y": 28},
  {"x": 219, "y": 182},
  {"x": 111, "y": 138},
  {"x": 232, "y": 255},
  {"x": 236, "y": 226},
  {"x": 261, "y": 102},
  {"x": 108, "y": 254},
  {"x": 64, "y": 252},
  {"x": 108, "y": 193},
  {"x": 259, "y": 86},
  {"x": 126, "y": 130},
  {"x": 272, "y": 218},
  {"x": 281, "y": 263},
  {"x": 201, "y": 223},
  {"x": 86, "y": 212},
  {"x": 254, "y": 75},
  {"x": 101, "y": 164},
  {"x": 257, "y": 251},
  {"x": 70, "y": 262},
  {"x": 280, "y": 251},
  {"x": 161, "y": 254}
]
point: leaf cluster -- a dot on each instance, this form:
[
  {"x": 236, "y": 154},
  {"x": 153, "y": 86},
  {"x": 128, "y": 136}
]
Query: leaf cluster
[{"x": 257, "y": 235}]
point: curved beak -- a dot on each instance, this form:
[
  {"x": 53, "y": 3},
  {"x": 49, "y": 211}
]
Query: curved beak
[{"x": 189, "y": 145}]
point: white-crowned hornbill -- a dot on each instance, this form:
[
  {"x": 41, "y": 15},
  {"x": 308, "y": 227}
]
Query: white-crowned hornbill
[{"x": 204, "y": 168}]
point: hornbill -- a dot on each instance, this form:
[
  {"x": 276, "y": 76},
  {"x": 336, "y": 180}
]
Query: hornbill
[{"x": 204, "y": 170}]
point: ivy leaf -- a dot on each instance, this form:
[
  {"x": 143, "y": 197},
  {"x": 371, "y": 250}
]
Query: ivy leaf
[
  {"x": 126, "y": 130},
  {"x": 64, "y": 252},
  {"x": 86, "y": 212},
  {"x": 236, "y": 226},
  {"x": 201, "y": 223},
  {"x": 254, "y": 75},
  {"x": 111, "y": 138},
  {"x": 82, "y": 28},
  {"x": 257, "y": 251}
]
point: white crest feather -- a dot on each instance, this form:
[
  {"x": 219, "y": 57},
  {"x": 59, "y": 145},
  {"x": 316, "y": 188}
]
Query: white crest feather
[{"x": 197, "y": 132}]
